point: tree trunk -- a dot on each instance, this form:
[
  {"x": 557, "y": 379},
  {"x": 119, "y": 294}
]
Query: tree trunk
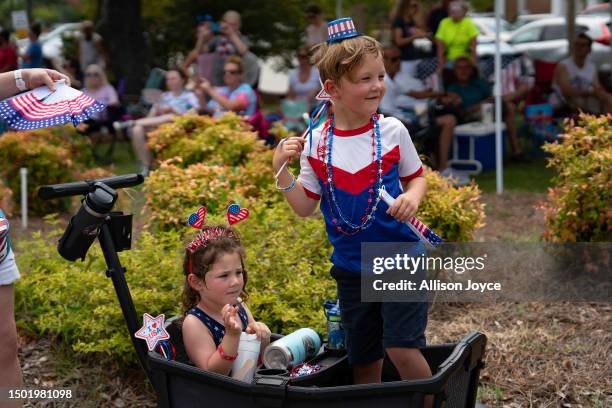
[{"x": 120, "y": 26}]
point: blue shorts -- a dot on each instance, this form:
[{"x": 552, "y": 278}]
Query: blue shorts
[{"x": 371, "y": 328}]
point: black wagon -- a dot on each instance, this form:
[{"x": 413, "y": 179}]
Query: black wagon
[{"x": 455, "y": 366}]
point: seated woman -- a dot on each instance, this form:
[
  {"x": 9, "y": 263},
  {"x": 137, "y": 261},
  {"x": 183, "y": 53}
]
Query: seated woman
[
  {"x": 236, "y": 95},
  {"x": 215, "y": 316},
  {"x": 97, "y": 86},
  {"x": 176, "y": 101},
  {"x": 468, "y": 92}
]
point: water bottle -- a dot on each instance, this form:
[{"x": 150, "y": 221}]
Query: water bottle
[
  {"x": 293, "y": 349},
  {"x": 335, "y": 332}
]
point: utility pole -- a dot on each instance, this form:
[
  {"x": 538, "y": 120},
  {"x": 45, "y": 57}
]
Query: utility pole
[{"x": 571, "y": 25}]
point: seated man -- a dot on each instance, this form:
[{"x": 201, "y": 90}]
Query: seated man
[
  {"x": 575, "y": 84},
  {"x": 472, "y": 92},
  {"x": 403, "y": 95}
]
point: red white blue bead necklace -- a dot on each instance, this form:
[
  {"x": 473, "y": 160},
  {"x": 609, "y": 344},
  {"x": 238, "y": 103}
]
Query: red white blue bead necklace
[{"x": 373, "y": 198}]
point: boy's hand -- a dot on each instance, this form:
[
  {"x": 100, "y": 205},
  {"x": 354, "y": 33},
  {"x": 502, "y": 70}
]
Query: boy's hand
[
  {"x": 287, "y": 149},
  {"x": 405, "y": 206},
  {"x": 231, "y": 321},
  {"x": 260, "y": 329}
]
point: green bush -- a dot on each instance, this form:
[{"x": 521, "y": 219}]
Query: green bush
[
  {"x": 199, "y": 139},
  {"x": 288, "y": 281},
  {"x": 173, "y": 192},
  {"x": 77, "y": 303},
  {"x": 51, "y": 156},
  {"x": 578, "y": 206},
  {"x": 454, "y": 213}
]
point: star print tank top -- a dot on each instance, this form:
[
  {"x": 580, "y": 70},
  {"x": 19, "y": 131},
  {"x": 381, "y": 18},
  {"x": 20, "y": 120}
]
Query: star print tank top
[{"x": 217, "y": 329}]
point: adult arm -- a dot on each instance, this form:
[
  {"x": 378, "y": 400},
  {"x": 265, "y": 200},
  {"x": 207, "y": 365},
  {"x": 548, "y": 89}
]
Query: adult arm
[
  {"x": 191, "y": 58},
  {"x": 473, "y": 43},
  {"x": 236, "y": 105},
  {"x": 235, "y": 38},
  {"x": 400, "y": 40},
  {"x": 440, "y": 51},
  {"x": 32, "y": 77}
]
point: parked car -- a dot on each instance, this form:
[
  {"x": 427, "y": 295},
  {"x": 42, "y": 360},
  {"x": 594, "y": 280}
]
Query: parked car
[
  {"x": 546, "y": 39},
  {"x": 486, "y": 26},
  {"x": 600, "y": 10}
]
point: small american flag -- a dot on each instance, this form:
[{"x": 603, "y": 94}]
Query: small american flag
[
  {"x": 426, "y": 72},
  {"x": 511, "y": 71},
  {"x": 426, "y": 233},
  {"x": 421, "y": 230},
  {"x": 4, "y": 227}
]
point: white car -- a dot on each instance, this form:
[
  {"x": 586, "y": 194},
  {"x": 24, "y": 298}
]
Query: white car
[
  {"x": 51, "y": 41},
  {"x": 486, "y": 26},
  {"x": 546, "y": 39}
]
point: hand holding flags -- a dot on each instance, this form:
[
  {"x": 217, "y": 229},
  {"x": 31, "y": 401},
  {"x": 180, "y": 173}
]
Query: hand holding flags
[{"x": 42, "y": 107}]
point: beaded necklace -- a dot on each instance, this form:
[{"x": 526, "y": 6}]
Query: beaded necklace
[{"x": 373, "y": 191}]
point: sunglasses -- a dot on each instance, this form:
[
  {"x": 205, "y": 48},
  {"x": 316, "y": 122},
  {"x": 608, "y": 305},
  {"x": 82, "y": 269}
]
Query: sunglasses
[
  {"x": 92, "y": 74},
  {"x": 232, "y": 72}
]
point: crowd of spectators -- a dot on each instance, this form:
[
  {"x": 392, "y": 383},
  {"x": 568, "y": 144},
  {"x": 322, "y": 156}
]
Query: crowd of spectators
[{"x": 221, "y": 74}]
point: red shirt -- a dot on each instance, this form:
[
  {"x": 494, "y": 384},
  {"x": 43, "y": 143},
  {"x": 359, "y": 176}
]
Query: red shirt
[{"x": 8, "y": 59}]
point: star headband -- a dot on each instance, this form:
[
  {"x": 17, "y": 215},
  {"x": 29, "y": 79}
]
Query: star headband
[{"x": 207, "y": 235}]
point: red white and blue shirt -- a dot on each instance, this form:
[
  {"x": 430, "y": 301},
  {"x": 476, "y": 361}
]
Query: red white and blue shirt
[{"x": 352, "y": 168}]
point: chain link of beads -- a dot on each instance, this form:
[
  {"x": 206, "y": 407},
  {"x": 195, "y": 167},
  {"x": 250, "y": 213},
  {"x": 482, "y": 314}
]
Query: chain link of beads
[{"x": 373, "y": 191}]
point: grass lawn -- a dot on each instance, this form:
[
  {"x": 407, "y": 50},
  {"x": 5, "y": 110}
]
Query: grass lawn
[{"x": 532, "y": 177}]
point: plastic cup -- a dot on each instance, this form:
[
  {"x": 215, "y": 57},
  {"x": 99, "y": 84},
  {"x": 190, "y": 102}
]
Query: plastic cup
[
  {"x": 245, "y": 364},
  {"x": 487, "y": 112}
]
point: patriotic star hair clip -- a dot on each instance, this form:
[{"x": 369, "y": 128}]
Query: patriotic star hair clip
[{"x": 42, "y": 107}]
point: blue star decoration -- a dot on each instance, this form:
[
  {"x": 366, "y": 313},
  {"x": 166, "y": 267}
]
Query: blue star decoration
[{"x": 152, "y": 330}]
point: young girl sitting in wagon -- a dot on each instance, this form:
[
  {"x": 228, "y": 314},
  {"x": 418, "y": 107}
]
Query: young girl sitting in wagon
[{"x": 215, "y": 280}]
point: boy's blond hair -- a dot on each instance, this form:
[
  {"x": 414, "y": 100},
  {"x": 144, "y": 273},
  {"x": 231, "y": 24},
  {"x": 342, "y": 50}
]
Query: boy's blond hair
[{"x": 338, "y": 60}]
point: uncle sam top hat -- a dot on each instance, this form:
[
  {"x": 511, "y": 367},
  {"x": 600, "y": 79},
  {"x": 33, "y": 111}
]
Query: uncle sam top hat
[{"x": 341, "y": 29}]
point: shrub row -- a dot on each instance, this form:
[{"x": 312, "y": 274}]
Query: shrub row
[
  {"x": 578, "y": 205},
  {"x": 53, "y": 155}
]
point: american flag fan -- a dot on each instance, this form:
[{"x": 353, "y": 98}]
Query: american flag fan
[
  {"x": 430, "y": 238},
  {"x": 426, "y": 72},
  {"x": 512, "y": 71},
  {"x": 42, "y": 107}
]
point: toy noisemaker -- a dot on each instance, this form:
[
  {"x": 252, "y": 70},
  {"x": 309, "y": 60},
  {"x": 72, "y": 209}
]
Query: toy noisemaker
[
  {"x": 430, "y": 238},
  {"x": 152, "y": 330},
  {"x": 41, "y": 107}
]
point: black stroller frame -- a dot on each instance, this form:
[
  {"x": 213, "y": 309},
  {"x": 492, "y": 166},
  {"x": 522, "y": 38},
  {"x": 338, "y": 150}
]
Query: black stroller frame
[{"x": 455, "y": 367}]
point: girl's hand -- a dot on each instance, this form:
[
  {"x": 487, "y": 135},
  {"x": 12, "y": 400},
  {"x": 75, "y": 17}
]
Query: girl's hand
[
  {"x": 405, "y": 206},
  {"x": 287, "y": 149},
  {"x": 231, "y": 320},
  {"x": 260, "y": 329}
]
